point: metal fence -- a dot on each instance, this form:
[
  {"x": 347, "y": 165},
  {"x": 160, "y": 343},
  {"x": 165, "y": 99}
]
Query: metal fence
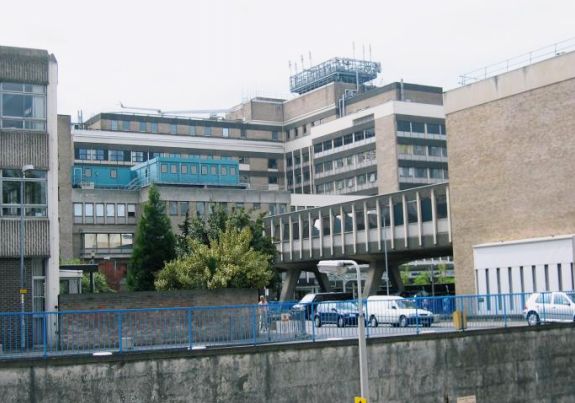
[{"x": 47, "y": 334}]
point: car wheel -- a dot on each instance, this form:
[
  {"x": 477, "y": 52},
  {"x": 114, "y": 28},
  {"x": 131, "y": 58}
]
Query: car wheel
[
  {"x": 340, "y": 322},
  {"x": 317, "y": 321},
  {"x": 532, "y": 319},
  {"x": 403, "y": 322},
  {"x": 373, "y": 321}
]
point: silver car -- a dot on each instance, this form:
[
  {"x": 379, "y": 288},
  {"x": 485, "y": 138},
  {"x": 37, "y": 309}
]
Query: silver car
[{"x": 543, "y": 307}]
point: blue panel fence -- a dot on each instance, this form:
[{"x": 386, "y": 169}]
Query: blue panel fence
[{"x": 45, "y": 334}]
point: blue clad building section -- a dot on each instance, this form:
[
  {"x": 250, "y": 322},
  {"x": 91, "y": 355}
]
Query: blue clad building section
[{"x": 168, "y": 170}]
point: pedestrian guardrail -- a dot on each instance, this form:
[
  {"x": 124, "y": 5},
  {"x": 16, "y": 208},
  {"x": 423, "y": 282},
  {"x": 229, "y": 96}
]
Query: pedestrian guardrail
[{"x": 47, "y": 334}]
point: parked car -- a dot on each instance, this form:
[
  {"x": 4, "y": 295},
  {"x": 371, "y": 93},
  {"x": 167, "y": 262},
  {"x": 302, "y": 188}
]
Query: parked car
[
  {"x": 310, "y": 300},
  {"x": 396, "y": 311},
  {"x": 549, "y": 307},
  {"x": 339, "y": 313}
]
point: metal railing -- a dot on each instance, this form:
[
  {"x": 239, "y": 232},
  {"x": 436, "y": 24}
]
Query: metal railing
[
  {"x": 526, "y": 59},
  {"x": 47, "y": 334}
]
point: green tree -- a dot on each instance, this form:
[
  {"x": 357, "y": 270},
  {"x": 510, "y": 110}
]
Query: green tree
[
  {"x": 227, "y": 262},
  {"x": 100, "y": 284},
  {"x": 405, "y": 274},
  {"x": 422, "y": 278},
  {"x": 182, "y": 239},
  {"x": 154, "y": 244}
]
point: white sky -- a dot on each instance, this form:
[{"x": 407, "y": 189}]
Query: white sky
[{"x": 180, "y": 55}]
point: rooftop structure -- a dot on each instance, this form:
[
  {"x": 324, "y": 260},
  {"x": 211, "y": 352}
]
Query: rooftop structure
[{"x": 337, "y": 69}]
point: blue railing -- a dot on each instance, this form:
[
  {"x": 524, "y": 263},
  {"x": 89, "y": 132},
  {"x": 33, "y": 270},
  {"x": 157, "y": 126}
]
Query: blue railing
[{"x": 46, "y": 334}]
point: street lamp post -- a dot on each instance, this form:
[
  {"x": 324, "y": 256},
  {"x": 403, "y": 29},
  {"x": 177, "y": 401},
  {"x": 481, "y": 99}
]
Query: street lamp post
[
  {"x": 340, "y": 267},
  {"x": 385, "y": 252},
  {"x": 25, "y": 169}
]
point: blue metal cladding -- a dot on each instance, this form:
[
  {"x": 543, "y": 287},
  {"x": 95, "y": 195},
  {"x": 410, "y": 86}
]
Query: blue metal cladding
[
  {"x": 191, "y": 171},
  {"x": 169, "y": 170}
]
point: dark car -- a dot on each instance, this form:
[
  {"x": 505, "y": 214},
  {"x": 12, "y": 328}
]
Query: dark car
[
  {"x": 309, "y": 302},
  {"x": 338, "y": 313}
]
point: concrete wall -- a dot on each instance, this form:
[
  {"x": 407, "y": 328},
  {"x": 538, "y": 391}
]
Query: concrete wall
[
  {"x": 500, "y": 365},
  {"x": 511, "y": 151}
]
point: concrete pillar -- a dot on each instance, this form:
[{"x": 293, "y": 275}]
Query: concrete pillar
[
  {"x": 288, "y": 287},
  {"x": 395, "y": 278},
  {"x": 322, "y": 280},
  {"x": 373, "y": 279}
]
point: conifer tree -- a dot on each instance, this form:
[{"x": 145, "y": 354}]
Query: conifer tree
[{"x": 154, "y": 244}]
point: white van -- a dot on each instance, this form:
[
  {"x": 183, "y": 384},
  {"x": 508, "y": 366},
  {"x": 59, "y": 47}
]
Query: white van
[{"x": 396, "y": 311}]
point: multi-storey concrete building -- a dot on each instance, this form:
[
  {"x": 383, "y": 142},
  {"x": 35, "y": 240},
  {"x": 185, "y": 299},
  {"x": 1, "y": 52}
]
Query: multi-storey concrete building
[
  {"x": 339, "y": 137},
  {"x": 511, "y": 151},
  {"x": 29, "y": 181}
]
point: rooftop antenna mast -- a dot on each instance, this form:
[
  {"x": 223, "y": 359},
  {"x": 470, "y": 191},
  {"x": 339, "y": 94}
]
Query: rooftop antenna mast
[
  {"x": 353, "y": 45},
  {"x": 370, "y": 52},
  {"x": 302, "y": 65},
  {"x": 310, "y": 63},
  {"x": 290, "y": 68}
]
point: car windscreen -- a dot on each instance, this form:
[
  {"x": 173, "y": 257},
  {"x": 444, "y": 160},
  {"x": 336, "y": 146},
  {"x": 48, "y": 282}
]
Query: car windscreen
[
  {"x": 404, "y": 304},
  {"x": 307, "y": 299},
  {"x": 571, "y": 296},
  {"x": 348, "y": 306}
]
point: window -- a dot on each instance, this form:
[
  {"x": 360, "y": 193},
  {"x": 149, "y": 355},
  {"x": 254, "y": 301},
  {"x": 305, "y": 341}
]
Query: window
[
  {"x": 137, "y": 156},
  {"x": 77, "y": 209},
  {"x": 116, "y": 155},
  {"x": 226, "y": 132},
  {"x": 22, "y": 106},
  {"x": 131, "y": 210},
  {"x": 275, "y": 135},
  {"x": 126, "y": 125},
  {"x": 295, "y": 132},
  {"x": 114, "y": 125},
  {"x": 223, "y": 171},
  {"x": 421, "y": 173},
  {"x": 369, "y": 133},
  {"x": 289, "y": 161},
  {"x": 184, "y": 169},
  {"x": 433, "y": 128},
  {"x": 305, "y": 158},
  {"x": 435, "y": 151},
  {"x": 297, "y": 160},
  {"x": 318, "y": 168},
  {"x": 244, "y": 160},
  {"x": 121, "y": 210},
  {"x": 257, "y": 205},
  {"x": 113, "y": 173},
  {"x": 100, "y": 155},
  {"x": 405, "y": 172},
  {"x": 142, "y": 126},
  {"x": 201, "y": 208},
  {"x": 173, "y": 168},
  {"x": 358, "y": 136},
  {"x": 327, "y": 145},
  {"x": 184, "y": 206},
  {"x": 339, "y": 185},
  {"x": 88, "y": 172},
  {"x": 338, "y": 142},
  {"x": 233, "y": 172},
  {"x": 204, "y": 169},
  {"x": 403, "y": 126},
  {"x": 35, "y": 193},
  {"x": 372, "y": 177},
  {"x": 348, "y": 139},
  {"x": 318, "y": 148},
  {"x": 272, "y": 163},
  {"x": 417, "y": 127},
  {"x": 173, "y": 208},
  {"x": 164, "y": 168},
  {"x": 154, "y": 127},
  {"x": 89, "y": 210},
  {"x": 208, "y": 131},
  {"x": 214, "y": 170},
  {"x": 192, "y": 130},
  {"x": 272, "y": 210},
  {"x": 194, "y": 169},
  {"x": 350, "y": 182},
  {"x": 436, "y": 173},
  {"x": 273, "y": 180},
  {"x": 173, "y": 128},
  {"x": 243, "y": 133},
  {"x": 110, "y": 210},
  {"x": 99, "y": 209},
  {"x": 361, "y": 179},
  {"x": 328, "y": 166},
  {"x": 412, "y": 211},
  {"x": 419, "y": 150}
]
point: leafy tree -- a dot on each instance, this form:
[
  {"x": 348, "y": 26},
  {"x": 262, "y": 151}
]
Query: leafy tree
[
  {"x": 422, "y": 278},
  {"x": 100, "y": 284},
  {"x": 154, "y": 244},
  {"x": 182, "y": 239},
  {"x": 227, "y": 262},
  {"x": 405, "y": 274}
]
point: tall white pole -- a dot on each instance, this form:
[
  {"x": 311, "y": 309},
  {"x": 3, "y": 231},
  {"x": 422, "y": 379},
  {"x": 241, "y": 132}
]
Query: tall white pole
[
  {"x": 22, "y": 276},
  {"x": 363, "y": 374}
]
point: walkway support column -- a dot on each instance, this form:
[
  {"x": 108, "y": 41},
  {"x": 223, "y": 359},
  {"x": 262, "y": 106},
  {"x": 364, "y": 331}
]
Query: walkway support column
[
  {"x": 373, "y": 278},
  {"x": 322, "y": 280},
  {"x": 395, "y": 278},
  {"x": 288, "y": 287}
]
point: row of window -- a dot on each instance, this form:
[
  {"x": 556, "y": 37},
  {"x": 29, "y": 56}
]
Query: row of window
[
  {"x": 108, "y": 241},
  {"x": 347, "y": 220},
  {"x": 344, "y": 140},
  {"x": 192, "y": 169},
  {"x": 192, "y": 130},
  {"x": 35, "y": 193},
  {"x": 347, "y": 184},
  {"x": 349, "y": 161},
  {"x": 121, "y": 210},
  {"x": 418, "y": 127},
  {"x": 416, "y": 149},
  {"x": 297, "y": 159},
  {"x": 22, "y": 106},
  {"x": 423, "y": 173}
]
